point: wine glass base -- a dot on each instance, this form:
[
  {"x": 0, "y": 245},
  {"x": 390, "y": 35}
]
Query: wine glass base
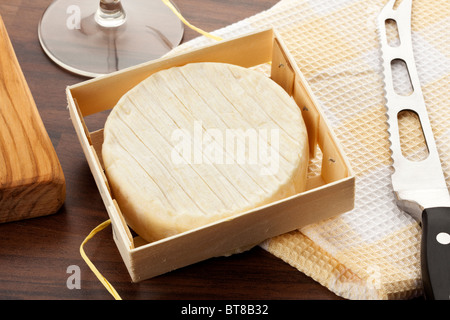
[{"x": 71, "y": 37}]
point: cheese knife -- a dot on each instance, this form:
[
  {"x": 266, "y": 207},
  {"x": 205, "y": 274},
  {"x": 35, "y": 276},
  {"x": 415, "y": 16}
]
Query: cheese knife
[{"x": 419, "y": 186}]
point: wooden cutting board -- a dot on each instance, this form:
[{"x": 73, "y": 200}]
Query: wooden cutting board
[{"x": 32, "y": 182}]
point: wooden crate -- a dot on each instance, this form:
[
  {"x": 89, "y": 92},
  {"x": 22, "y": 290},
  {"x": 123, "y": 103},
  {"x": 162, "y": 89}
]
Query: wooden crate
[{"x": 329, "y": 193}]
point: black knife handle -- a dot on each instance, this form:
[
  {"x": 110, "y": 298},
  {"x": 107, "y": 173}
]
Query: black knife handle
[{"x": 435, "y": 253}]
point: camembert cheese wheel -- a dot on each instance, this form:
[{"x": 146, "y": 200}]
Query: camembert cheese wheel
[{"x": 195, "y": 144}]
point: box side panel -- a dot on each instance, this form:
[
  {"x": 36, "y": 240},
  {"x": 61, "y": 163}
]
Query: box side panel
[
  {"x": 281, "y": 69},
  {"x": 287, "y": 74},
  {"x": 310, "y": 115},
  {"x": 242, "y": 232},
  {"x": 97, "y": 172}
]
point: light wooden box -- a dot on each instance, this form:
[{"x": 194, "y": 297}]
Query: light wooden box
[{"x": 330, "y": 192}]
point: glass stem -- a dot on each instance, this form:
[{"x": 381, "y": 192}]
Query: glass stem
[{"x": 110, "y": 13}]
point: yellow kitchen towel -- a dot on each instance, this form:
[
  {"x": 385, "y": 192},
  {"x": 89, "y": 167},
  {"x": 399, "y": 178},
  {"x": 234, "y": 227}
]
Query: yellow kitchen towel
[{"x": 373, "y": 251}]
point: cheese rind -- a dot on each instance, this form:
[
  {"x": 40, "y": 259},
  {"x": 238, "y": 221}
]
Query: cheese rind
[{"x": 194, "y": 144}]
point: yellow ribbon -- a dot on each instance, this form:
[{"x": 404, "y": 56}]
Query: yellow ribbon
[
  {"x": 102, "y": 279},
  {"x": 178, "y": 14}
]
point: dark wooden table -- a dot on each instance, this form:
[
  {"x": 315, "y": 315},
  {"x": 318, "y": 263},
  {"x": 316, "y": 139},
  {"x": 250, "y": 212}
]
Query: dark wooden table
[{"x": 35, "y": 254}]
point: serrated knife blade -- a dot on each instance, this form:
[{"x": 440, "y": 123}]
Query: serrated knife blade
[{"x": 419, "y": 186}]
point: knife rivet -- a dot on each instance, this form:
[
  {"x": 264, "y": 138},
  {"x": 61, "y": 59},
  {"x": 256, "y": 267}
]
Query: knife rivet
[
  {"x": 443, "y": 238},
  {"x": 281, "y": 65},
  {"x": 332, "y": 160}
]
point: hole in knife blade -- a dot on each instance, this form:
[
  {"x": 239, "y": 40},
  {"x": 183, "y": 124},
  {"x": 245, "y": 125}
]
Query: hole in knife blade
[
  {"x": 401, "y": 78},
  {"x": 392, "y": 35},
  {"x": 412, "y": 140}
]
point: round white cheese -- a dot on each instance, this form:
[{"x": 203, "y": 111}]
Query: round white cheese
[{"x": 194, "y": 144}]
